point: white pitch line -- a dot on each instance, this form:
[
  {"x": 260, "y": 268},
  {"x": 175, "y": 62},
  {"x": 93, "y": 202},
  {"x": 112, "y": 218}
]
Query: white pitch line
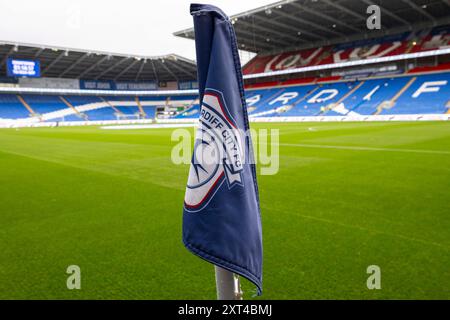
[
  {"x": 355, "y": 148},
  {"x": 149, "y": 126}
]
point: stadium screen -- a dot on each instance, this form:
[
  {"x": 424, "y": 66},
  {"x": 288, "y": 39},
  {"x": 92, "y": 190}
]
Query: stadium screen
[{"x": 23, "y": 68}]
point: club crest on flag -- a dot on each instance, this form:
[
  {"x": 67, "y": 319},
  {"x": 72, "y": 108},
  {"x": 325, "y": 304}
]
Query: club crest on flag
[{"x": 218, "y": 156}]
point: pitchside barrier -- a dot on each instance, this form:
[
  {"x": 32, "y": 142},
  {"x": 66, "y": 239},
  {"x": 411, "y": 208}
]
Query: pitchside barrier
[
  {"x": 402, "y": 117},
  {"x": 17, "y": 124},
  {"x": 399, "y": 117}
]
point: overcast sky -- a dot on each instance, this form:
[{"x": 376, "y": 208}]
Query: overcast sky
[{"x": 142, "y": 27}]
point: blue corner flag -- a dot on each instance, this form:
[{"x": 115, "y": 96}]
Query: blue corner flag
[{"x": 221, "y": 216}]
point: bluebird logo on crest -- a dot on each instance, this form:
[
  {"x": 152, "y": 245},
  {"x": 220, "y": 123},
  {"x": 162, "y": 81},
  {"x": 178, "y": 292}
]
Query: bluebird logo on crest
[{"x": 218, "y": 153}]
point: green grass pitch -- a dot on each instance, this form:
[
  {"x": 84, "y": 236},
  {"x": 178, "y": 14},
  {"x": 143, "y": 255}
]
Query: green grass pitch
[{"x": 347, "y": 195}]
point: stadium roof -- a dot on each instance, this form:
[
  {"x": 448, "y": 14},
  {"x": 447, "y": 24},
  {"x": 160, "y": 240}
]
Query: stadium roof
[
  {"x": 302, "y": 24},
  {"x": 95, "y": 65}
]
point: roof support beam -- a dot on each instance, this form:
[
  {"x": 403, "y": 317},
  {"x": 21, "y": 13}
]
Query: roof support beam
[
  {"x": 7, "y": 56},
  {"x": 252, "y": 35},
  {"x": 73, "y": 65},
  {"x": 168, "y": 70},
  {"x": 38, "y": 53},
  {"x": 154, "y": 70},
  {"x": 374, "y": 34},
  {"x": 190, "y": 74},
  {"x": 272, "y": 31},
  {"x": 289, "y": 27},
  {"x": 336, "y": 5},
  {"x": 253, "y": 44},
  {"x": 419, "y": 9},
  {"x": 118, "y": 63},
  {"x": 324, "y": 16},
  {"x": 141, "y": 67},
  {"x": 313, "y": 24},
  {"x": 55, "y": 61},
  {"x": 252, "y": 40},
  {"x": 126, "y": 69},
  {"x": 93, "y": 66},
  {"x": 189, "y": 67}
]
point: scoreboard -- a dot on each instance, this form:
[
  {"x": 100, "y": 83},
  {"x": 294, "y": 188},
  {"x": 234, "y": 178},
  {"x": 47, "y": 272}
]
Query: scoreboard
[{"x": 23, "y": 68}]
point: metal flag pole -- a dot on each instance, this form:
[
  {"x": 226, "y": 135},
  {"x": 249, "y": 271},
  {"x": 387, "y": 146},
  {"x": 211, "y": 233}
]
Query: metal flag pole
[{"x": 227, "y": 284}]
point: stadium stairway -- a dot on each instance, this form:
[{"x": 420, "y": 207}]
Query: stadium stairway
[
  {"x": 26, "y": 105},
  {"x": 339, "y": 108},
  {"x": 141, "y": 110},
  {"x": 117, "y": 111},
  {"x": 76, "y": 111},
  {"x": 372, "y": 93},
  {"x": 337, "y": 90},
  {"x": 386, "y": 105}
]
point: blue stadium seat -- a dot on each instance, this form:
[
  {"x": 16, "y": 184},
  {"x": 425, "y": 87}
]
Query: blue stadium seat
[
  {"x": 11, "y": 107},
  {"x": 428, "y": 94},
  {"x": 372, "y": 93},
  {"x": 44, "y": 103}
]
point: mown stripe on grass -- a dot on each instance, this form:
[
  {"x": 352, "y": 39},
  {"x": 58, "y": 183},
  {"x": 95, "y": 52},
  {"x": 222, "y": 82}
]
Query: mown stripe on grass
[
  {"x": 374, "y": 231},
  {"x": 360, "y": 148}
]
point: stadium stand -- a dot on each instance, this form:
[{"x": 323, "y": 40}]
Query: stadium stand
[
  {"x": 313, "y": 59},
  {"x": 408, "y": 42},
  {"x": 84, "y": 107},
  {"x": 423, "y": 94},
  {"x": 405, "y": 94}
]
